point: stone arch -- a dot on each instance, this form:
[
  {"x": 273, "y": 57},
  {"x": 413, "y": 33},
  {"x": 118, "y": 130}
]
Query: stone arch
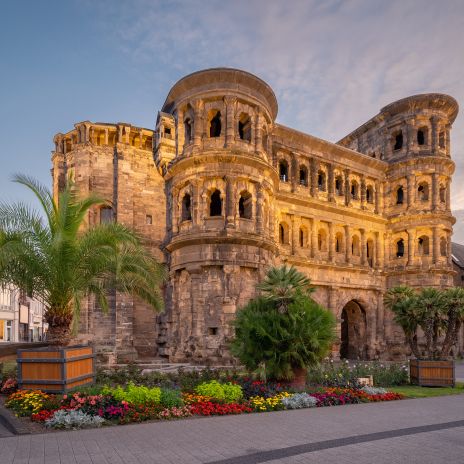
[
  {"x": 370, "y": 251},
  {"x": 423, "y": 245},
  {"x": 339, "y": 243},
  {"x": 399, "y": 195},
  {"x": 186, "y": 212},
  {"x": 303, "y": 237},
  {"x": 283, "y": 170},
  {"x": 303, "y": 175},
  {"x": 397, "y": 140},
  {"x": 283, "y": 233},
  {"x": 215, "y": 203},
  {"x": 423, "y": 191},
  {"x": 353, "y": 334},
  {"x": 214, "y": 123},
  {"x": 355, "y": 245},
  {"x": 245, "y": 205},
  {"x": 400, "y": 248},
  {"x": 321, "y": 180},
  {"x": 339, "y": 185},
  {"x": 322, "y": 240},
  {"x": 354, "y": 190},
  {"x": 244, "y": 127},
  {"x": 422, "y": 135},
  {"x": 370, "y": 194}
]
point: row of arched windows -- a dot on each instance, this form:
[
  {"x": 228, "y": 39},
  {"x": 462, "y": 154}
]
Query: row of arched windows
[
  {"x": 215, "y": 205},
  {"x": 422, "y": 138},
  {"x": 322, "y": 182},
  {"x": 423, "y": 246},
  {"x": 422, "y": 193}
]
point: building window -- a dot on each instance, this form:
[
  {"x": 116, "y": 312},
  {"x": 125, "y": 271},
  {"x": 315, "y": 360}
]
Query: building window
[
  {"x": 400, "y": 248},
  {"x": 370, "y": 252},
  {"x": 322, "y": 240},
  {"x": 423, "y": 191},
  {"x": 355, "y": 246},
  {"x": 212, "y": 330},
  {"x": 442, "y": 194},
  {"x": 423, "y": 245},
  {"x": 283, "y": 171},
  {"x": 339, "y": 186},
  {"x": 398, "y": 141},
  {"x": 244, "y": 127},
  {"x": 186, "y": 208},
  {"x": 321, "y": 181},
  {"x": 245, "y": 205},
  {"x": 303, "y": 176},
  {"x": 188, "y": 130},
  {"x": 354, "y": 190},
  {"x": 215, "y": 124},
  {"x": 106, "y": 215},
  {"x": 149, "y": 219},
  {"x": 338, "y": 243},
  {"x": 283, "y": 233},
  {"x": 399, "y": 196},
  {"x": 370, "y": 194},
  {"x": 215, "y": 205},
  {"x": 421, "y": 137}
]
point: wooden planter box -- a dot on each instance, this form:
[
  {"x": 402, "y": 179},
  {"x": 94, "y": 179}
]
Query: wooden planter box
[
  {"x": 56, "y": 369},
  {"x": 431, "y": 373}
]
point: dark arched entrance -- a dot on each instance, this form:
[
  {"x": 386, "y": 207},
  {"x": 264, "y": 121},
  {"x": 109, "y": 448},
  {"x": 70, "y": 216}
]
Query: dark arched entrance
[{"x": 353, "y": 332}]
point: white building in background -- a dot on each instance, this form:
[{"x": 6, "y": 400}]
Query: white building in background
[{"x": 21, "y": 319}]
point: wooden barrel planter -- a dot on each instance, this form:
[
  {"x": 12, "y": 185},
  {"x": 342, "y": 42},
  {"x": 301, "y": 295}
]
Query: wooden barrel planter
[
  {"x": 56, "y": 369},
  {"x": 432, "y": 373}
]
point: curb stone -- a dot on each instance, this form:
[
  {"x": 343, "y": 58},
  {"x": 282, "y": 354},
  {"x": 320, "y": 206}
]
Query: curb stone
[{"x": 11, "y": 422}]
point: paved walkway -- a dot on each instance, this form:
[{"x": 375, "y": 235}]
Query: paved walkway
[{"x": 421, "y": 431}]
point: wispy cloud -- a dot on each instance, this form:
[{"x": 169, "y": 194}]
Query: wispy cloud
[{"x": 333, "y": 64}]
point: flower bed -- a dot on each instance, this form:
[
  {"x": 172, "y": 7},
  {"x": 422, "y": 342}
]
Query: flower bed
[{"x": 138, "y": 403}]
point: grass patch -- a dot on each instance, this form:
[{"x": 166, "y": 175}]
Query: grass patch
[{"x": 413, "y": 391}]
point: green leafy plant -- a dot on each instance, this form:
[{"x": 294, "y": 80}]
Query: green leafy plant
[
  {"x": 135, "y": 394},
  {"x": 59, "y": 261},
  {"x": 171, "y": 398}
]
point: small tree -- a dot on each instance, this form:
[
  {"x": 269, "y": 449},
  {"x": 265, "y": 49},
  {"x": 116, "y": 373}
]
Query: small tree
[
  {"x": 53, "y": 257},
  {"x": 454, "y": 304},
  {"x": 284, "y": 333}
]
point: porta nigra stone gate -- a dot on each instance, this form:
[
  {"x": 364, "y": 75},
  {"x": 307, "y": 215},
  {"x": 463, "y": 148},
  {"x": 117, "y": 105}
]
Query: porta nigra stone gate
[{"x": 220, "y": 192}]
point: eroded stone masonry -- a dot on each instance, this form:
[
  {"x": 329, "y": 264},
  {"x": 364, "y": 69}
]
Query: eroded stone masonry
[{"x": 220, "y": 192}]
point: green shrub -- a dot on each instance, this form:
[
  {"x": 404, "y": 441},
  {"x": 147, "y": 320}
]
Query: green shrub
[
  {"x": 233, "y": 393},
  {"x": 134, "y": 394},
  {"x": 171, "y": 398},
  {"x": 212, "y": 389}
]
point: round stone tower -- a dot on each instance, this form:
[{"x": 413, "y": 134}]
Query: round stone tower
[
  {"x": 416, "y": 145},
  {"x": 211, "y": 146}
]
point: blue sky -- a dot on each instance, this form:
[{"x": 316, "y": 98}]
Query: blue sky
[{"x": 332, "y": 64}]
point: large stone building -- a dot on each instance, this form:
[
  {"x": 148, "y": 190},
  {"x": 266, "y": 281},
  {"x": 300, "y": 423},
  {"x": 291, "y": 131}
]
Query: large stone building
[{"x": 220, "y": 192}]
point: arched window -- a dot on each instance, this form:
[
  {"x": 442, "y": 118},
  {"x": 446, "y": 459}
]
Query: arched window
[
  {"x": 370, "y": 252},
  {"x": 303, "y": 176},
  {"x": 443, "y": 247},
  {"x": 245, "y": 205},
  {"x": 244, "y": 127},
  {"x": 423, "y": 191},
  {"x": 215, "y": 204},
  {"x": 422, "y": 136},
  {"x": 370, "y": 194},
  {"x": 322, "y": 240},
  {"x": 354, "y": 190},
  {"x": 283, "y": 170},
  {"x": 398, "y": 141},
  {"x": 339, "y": 186},
  {"x": 355, "y": 246},
  {"x": 441, "y": 140},
  {"x": 400, "y": 248},
  {"x": 321, "y": 181},
  {"x": 186, "y": 208},
  {"x": 303, "y": 236},
  {"x": 338, "y": 243},
  {"x": 283, "y": 233},
  {"x": 399, "y": 195},
  {"x": 423, "y": 245},
  {"x": 215, "y": 124},
  {"x": 442, "y": 194},
  {"x": 188, "y": 130},
  {"x": 106, "y": 215}
]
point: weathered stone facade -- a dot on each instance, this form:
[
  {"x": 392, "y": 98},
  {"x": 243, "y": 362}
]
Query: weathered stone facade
[{"x": 220, "y": 192}]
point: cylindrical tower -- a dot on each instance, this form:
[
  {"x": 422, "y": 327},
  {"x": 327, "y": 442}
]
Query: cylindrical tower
[{"x": 211, "y": 147}]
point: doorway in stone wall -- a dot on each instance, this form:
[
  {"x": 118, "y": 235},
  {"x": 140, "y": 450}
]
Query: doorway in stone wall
[{"x": 353, "y": 332}]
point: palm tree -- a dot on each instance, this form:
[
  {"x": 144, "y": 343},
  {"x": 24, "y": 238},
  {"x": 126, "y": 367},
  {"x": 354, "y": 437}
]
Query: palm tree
[
  {"x": 282, "y": 284},
  {"x": 55, "y": 258},
  {"x": 454, "y": 303}
]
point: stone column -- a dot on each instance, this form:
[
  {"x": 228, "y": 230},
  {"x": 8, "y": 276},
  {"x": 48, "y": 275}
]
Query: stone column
[
  {"x": 434, "y": 124},
  {"x": 196, "y": 204},
  {"x": 294, "y": 172},
  {"x": 411, "y": 190},
  {"x": 180, "y": 134},
  {"x": 313, "y": 238},
  {"x": 435, "y": 245},
  {"x": 363, "y": 247},
  {"x": 230, "y": 203},
  {"x": 411, "y": 237},
  {"x": 331, "y": 183},
  {"x": 448, "y": 194},
  {"x": 435, "y": 191},
  {"x": 448, "y": 139},
  {"x": 230, "y": 120},
  {"x": 197, "y": 122},
  {"x": 120, "y": 134},
  {"x": 313, "y": 172},
  {"x": 106, "y": 137},
  {"x": 347, "y": 187},
  {"x": 387, "y": 248},
  {"x": 347, "y": 244},
  {"x": 259, "y": 208},
  {"x": 378, "y": 251},
  {"x": 176, "y": 208},
  {"x": 377, "y": 197},
  {"x": 363, "y": 192},
  {"x": 294, "y": 232},
  {"x": 410, "y": 136},
  {"x": 258, "y": 131},
  {"x": 127, "y": 130},
  {"x": 331, "y": 242}
]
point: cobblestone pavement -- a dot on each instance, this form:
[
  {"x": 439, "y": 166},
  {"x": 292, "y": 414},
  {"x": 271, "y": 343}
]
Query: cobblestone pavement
[{"x": 421, "y": 431}]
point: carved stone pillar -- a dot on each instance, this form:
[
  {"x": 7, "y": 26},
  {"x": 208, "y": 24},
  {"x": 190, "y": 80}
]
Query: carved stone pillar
[
  {"x": 258, "y": 131},
  {"x": 434, "y": 124},
  {"x": 347, "y": 244},
  {"x": 180, "y": 133},
  {"x": 435, "y": 245},
  {"x": 411, "y": 237},
  {"x": 363, "y": 247},
  {"x": 411, "y": 189},
  {"x": 313, "y": 187},
  {"x": 435, "y": 191},
  {"x": 230, "y": 203},
  {"x": 197, "y": 122},
  {"x": 410, "y": 136},
  {"x": 295, "y": 230},
  {"x": 313, "y": 238},
  {"x": 331, "y": 242},
  {"x": 106, "y": 137},
  {"x": 379, "y": 249},
  {"x": 120, "y": 134},
  {"x": 347, "y": 187},
  {"x": 387, "y": 248},
  {"x": 196, "y": 204},
  {"x": 259, "y": 208},
  {"x": 363, "y": 192},
  {"x": 294, "y": 172},
  {"x": 176, "y": 211},
  {"x": 377, "y": 197},
  {"x": 331, "y": 183},
  {"x": 230, "y": 120}
]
